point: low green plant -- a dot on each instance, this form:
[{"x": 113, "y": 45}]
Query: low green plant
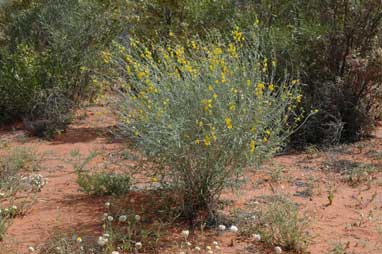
[
  {"x": 339, "y": 248},
  {"x": 104, "y": 183},
  {"x": 12, "y": 163},
  {"x": 204, "y": 112},
  {"x": 279, "y": 223}
]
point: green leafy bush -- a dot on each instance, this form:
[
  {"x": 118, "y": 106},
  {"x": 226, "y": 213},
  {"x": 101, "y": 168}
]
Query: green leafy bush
[
  {"x": 204, "y": 112},
  {"x": 48, "y": 56},
  {"x": 100, "y": 184},
  {"x": 333, "y": 45}
]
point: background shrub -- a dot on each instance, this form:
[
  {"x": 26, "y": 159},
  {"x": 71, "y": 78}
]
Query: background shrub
[
  {"x": 49, "y": 54},
  {"x": 203, "y": 112}
]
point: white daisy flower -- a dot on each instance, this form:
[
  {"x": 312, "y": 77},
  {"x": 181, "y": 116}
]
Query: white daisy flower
[
  {"x": 102, "y": 241},
  {"x": 138, "y": 245},
  {"x": 257, "y": 237},
  {"x": 185, "y": 233},
  {"x": 110, "y": 218},
  {"x": 233, "y": 228},
  {"x": 222, "y": 227},
  {"x": 122, "y": 218},
  {"x": 278, "y": 250}
]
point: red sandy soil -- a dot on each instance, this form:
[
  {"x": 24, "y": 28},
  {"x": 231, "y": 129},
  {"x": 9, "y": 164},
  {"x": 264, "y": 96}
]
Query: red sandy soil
[{"x": 354, "y": 218}]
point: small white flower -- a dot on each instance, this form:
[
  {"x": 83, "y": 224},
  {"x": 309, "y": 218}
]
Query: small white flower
[
  {"x": 114, "y": 252},
  {"x": 215, "y": 243},
  {"x": 233, "y": 228},
  {"x": 31, "y": 249},
  {"x": 221, "y": 227},
  {"x": 107, "y": 204},
  {"x": 185, "y": 233},
  {"x": 106, "y": 236},
  {"x": 138, "y": 245},
  {"x": 254, "y": 217},
  {"x": 188, "y": 244},
  {"x": 257, "y": 237},
  {"x": 137, "y": 217},
  {"x": 14, "y": 207},
  {"x": 198, "y": 248},
  {"x": 102, "y": 241},
  {"x": 122, "y": 218},
  {"x": 110, "y": 218},
  {"x": 278, "y": 250}
]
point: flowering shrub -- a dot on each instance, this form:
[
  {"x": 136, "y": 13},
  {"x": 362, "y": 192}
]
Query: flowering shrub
[{"x": 203, "y": 112}]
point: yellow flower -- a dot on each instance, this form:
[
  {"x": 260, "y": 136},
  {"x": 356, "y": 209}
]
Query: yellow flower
[
  {"x": 171, "y": 34},
  {"x": 141, "y": 75},
  {"x": 232, "y": 50},
  {"x": 210, "y": 88},
  {"x": 237, "y": 35},
  {"x": 154, "y": 179},
  {"x": 197, "y": 141},
  {"x": 228, "y": 123},
  {"x": 215, "y": 96},
  {"x": 268, "y": 132},
  {"x": 299, "y": 98},
  {"x": 207, "y": 140},
  {"x": 295, "y": 81},
  {"x": 271, "y": 87},
  {"x": 248, "y": 82},
  {"x": 232, "y": 106},
  {"x": 194, "y": 45},
  {"x": 265, "y": 139},
  {"x": 106, "y": 56},
  {"x": 217, "y": 51},
  {"x": 252, "y": 146},
  {"x": 207, "y": 104}
]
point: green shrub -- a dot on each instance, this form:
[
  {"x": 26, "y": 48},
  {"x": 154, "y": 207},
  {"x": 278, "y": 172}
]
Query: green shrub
[
  {"x": 100, "y": 184},
  {"x": 333, "y": 45},
  {"x": 50, "y": 50},
  {"x": 204, "y": 112}
]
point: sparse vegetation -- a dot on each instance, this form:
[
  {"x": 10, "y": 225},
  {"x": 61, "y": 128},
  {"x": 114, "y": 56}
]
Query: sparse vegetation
[{"x": 278, "y": 223}]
